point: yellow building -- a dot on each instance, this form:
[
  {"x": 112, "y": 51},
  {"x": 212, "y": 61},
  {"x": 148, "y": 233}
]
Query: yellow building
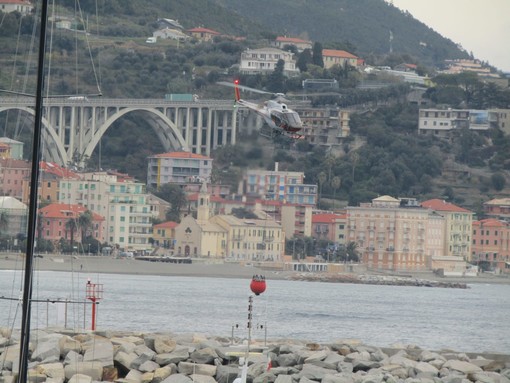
[
  {"x": 163, "y": 234},
  {"x": 458, "y": 227},
  {"x": 252, "y": 239},
  {"x": 225, "y": 236}
]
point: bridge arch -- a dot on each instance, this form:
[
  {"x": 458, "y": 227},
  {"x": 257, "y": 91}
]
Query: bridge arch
[
  {"x": 166, "y": 130},
  {"x": 48, "y": 152}
]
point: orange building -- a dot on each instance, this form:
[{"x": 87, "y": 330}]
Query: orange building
[
  {"x": 50, "y": 175},
  {"x": 491, "y": 244},
  {"x": 163, "y": 234},
  {"x": 324, "y": 226}
]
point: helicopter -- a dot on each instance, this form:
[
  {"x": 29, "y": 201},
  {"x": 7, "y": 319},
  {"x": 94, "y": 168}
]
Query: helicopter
[{"x": 275, "y": 113}]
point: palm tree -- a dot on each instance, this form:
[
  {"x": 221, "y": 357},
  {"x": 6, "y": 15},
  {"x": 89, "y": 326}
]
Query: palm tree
[
  {"x": 335, "y": 184},
  {"x": 321, "y": 178},
  {"x": 4, "y": 221},
  {"x": 85, "y": 223},
  {"x": 71, "y": 226}
]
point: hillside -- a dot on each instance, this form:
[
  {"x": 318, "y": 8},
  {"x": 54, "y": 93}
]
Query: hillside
[{"x": 365, "y": 24}]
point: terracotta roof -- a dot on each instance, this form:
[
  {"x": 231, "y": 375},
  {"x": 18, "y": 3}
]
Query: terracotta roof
[
  {"x": 498, "y": 201},
  {"x": 326, "y": 217},
  {"x": 66, "y": 210},
  {"x": 213, "y": 198},
  {"x": 181, "y": 155},
  {"x": 203, "y": 30},
  {"x": 492, "y": 222},
  {"x": 166, "y": 225},
  {"x": 23, "y": 2},
  {"x": 59, "y": 171},
  {"x": 441, "y": 205},
  {"x": 337, "y": 53},
  {"x": 294, "y": 40}
]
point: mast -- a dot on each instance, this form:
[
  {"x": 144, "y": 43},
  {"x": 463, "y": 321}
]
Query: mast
[{"x": 32, "y": 208}]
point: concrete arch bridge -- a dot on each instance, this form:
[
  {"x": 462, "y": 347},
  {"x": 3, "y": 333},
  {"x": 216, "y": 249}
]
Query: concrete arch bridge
[{"x": 74, "y": 126}]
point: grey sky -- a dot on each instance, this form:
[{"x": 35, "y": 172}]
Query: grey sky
[{"x": 480, "y": 26}]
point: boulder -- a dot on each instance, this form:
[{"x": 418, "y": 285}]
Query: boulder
[
  {"x": 72, "y": 357},
  {"x": 461, "y": 366},
  {"x": 204, "y": 356},
  {"x": 188, "y": 368},
  {"x": 80, "y": 378},
  {"x": 161, "y": 374},
  {"x": 100, "y": 351},
  {"x": 68, "y": 344},
  {"x": 226, "y": 374},
  {"x": 196, "y": 378},
  {"x": 178, "y": 355},
  {"x": 163, "y": 344},
  {"x": 92, "y": 369},
  {"x": 47, "y": 349},
  {"x": 177, "y": 378},
  {"x": 52, "y": 370},
  {"x": 148, "y": 366}
]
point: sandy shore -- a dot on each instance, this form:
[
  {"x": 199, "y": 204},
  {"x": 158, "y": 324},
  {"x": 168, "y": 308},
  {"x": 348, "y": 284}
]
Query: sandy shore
[{"x": 94, "y": 264}]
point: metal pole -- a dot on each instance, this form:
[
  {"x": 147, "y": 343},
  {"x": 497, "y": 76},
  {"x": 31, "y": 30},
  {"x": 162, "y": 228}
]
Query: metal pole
[{"x": 32, "y": 209}]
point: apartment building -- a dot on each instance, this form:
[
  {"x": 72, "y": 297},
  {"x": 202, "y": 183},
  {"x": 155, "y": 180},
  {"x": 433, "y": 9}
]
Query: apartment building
[
  {"x": 278, "y": 185},
  {"x": 16, "y": 214},
  {"x": 389, "y": 236},
  {"x": 326, "y": 127},
  {"x": 264, "y": 60},
  {"x": 123, "y": 202},
  {"x": 491, "y": 244},
  {"x": 54, "y": 218},
  {"x": 498, "y": 208},
  {"x": 324, "y": 226},
  {"x": 458, "y": 227},
  {"x": 179, "y": 168},
  {"x": 12, "y": 174},
  {"x": 440, "y": 122}
]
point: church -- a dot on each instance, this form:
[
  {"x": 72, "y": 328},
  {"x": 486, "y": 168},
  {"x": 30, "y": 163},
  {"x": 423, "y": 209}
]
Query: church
[{"x": 228, "y": 237}]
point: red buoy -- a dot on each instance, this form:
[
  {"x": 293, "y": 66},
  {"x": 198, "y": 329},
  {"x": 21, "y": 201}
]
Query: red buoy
[{"x": 258, "y": 284}]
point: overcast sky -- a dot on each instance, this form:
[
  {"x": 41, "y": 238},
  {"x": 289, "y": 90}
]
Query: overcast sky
[{"x": 480, "y": 26}]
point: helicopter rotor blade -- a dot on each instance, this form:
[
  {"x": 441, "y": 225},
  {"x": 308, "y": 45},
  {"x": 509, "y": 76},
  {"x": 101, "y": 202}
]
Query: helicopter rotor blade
[{"x": 242, "y": 87}]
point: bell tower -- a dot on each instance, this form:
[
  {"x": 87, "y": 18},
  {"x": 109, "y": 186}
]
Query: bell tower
[{"x": 203, "y": 212}]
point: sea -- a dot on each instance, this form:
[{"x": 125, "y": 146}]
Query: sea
[{"x": 475, "y": 319}]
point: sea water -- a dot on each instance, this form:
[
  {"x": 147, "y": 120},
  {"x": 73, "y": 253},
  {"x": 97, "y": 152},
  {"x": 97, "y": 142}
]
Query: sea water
[{"x": 467, "y": 320}]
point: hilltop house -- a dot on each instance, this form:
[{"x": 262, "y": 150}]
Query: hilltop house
[
  {"x": 203, "y": 34},
  {"x": 21, "y": 6},
  {"x": 264, "y": 60},
  {"x": 282, "y": 41}
]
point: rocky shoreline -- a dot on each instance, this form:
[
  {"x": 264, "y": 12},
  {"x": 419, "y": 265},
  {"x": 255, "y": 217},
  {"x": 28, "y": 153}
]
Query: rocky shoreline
[
  {"x": 375, "y": 280},
  {"x": 64, "y": 355}
]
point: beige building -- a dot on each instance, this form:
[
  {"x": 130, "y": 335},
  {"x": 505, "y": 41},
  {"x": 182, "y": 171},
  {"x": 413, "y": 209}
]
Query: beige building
[
  {"x": 458, "y": 227},
  {"x": 123, "y": 202},
  {"x": 338, "y": 57},
  {"x": 389, "y": 236},
  {"x": 324, "y": 126},
  {"x": 264, "y": 60},
  {"x": 225, "y": 236}
]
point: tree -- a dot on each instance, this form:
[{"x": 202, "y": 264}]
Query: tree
[
  {"x": 317, "y": 55},
  {"x": 85, "y": 223},
  {"x": 304, "y": 59},
  {"x": 4, "y": 221},
  {"x": 173, "y": 194},
  {"x": 71, "y": 227},
  {"x": 498, "y": 181},
  {"x": 335, "y": 184},
  {"x": 321, "y": 179}
]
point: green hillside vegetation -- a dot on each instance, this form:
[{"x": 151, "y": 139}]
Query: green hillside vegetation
[
  {"x": 362, "y": 27},
  {"x": 384, "y": 155}
]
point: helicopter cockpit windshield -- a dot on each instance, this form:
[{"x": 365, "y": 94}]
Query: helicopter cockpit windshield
[{"x": 286, "y": 120}]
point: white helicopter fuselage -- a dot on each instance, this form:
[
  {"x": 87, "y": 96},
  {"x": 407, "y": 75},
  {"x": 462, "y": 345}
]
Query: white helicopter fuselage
[{"x": 276, "y": 114}]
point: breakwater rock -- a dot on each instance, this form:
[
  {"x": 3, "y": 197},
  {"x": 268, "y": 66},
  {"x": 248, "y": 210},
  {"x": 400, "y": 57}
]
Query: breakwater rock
[
  {"x": 58, "y": 356},
  {"x": 374, "y": 280}
]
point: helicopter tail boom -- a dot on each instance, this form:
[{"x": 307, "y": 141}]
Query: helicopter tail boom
[{"x": 236, "y": 90}]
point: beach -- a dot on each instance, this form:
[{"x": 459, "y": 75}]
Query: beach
[{"x": 199, "y": 268}]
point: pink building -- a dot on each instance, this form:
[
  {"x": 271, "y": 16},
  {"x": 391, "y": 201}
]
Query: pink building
[
  {"x": 55, "y": 217},
  {"x": 389, "y": 236},
  {"x": 491, "y": 244},
  {"x": 12, "y": 174}
]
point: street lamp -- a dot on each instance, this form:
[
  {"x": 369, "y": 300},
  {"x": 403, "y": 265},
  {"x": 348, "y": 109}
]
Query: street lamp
[{"x": 89, "y": 250}]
